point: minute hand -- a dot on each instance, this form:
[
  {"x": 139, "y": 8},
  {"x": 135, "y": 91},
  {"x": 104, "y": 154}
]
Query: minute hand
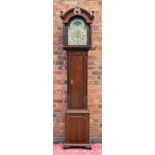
[{"x": 78, "y": 37}]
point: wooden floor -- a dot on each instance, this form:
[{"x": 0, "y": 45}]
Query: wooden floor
[{"x": 58, "y": 150}]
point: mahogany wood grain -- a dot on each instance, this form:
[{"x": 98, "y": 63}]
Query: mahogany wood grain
[
  {"x": 77, "y": 128},
  {"x": 77, "y": 80}
]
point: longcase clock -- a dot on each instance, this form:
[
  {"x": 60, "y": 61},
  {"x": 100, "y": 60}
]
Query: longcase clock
[{"x": 77, "y": 34}]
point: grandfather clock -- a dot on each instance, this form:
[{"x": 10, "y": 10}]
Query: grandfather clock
[{"x": 77, "y": 34}]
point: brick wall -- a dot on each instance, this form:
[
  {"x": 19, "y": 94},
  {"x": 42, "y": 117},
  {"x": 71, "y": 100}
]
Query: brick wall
[{"x": 94, "y": 70}]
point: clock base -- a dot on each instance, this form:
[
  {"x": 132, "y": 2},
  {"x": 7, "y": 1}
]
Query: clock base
[{"x": 86, "y": 146}]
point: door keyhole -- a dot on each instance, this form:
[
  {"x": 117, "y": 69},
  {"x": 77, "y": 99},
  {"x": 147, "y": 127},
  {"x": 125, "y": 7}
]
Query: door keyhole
[{"x": 71, "y": 82}]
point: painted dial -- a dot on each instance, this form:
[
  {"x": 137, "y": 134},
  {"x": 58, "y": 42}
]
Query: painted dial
[{"x": 77, "y": 32}]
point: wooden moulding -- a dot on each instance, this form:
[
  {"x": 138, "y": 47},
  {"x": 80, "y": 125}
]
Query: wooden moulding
[
  {"x": 75, "y": 48},
  {"x": 77, "y": 111}
]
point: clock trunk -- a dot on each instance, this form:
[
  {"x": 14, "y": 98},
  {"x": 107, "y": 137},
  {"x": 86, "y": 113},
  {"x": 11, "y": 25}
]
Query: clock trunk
[{"x": 77, "y": 80}]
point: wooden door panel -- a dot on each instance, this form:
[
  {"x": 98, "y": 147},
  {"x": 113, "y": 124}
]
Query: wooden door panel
[
  {"x": 77, "y": 81},
  {"x": 77, "y": 128}
]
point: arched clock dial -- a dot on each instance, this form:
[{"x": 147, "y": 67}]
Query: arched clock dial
[{"x": 77, "y": 32}]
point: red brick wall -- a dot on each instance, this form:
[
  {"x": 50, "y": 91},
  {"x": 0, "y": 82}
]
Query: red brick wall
[{"x": 94, "y": 70}]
